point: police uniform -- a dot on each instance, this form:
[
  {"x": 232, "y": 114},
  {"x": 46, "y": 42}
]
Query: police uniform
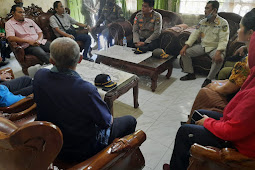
[
  {"x": 214, "y": 36},
  {"x": 109, "y": 15},
  {"x": 147, "y": 29}
]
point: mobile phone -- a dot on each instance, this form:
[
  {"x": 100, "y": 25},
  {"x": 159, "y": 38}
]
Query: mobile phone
[{"x": 196, "y": 116}]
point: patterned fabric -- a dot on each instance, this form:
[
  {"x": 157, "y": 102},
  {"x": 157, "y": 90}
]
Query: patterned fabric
[{"x": 240, "y": 72}]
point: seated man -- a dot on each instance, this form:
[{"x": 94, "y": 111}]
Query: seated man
[
  {"x": 214, "y": 33},
  {"x": 62, "y": 26},
  {"x": 110, "y": 13},
  {"x": 27, "y": 34},
  {"x": 11, "y": 91},
  {"x": 75, "y": 105},
  {"x": 147, "y": 28}
]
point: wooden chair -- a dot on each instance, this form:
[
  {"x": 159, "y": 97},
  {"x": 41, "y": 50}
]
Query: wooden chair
[
  {"x": 210, "y": 158},
  {"x": 35, "y": 146}
]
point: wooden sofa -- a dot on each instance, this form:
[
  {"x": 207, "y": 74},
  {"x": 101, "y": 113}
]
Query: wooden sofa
[{"x": 36, "y": 145}]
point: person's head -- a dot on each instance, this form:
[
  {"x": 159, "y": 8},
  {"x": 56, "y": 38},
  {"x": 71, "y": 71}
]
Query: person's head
[
  {"x": 58, "y": 7},
  {"x": 18, "y": 13},
  {"x": 147, "y": 6},
  {"x": 64, "y": 53},
  {"x": 18, "y": 2},
  {"x": 211, "y": 9},
  {"x": 247, "y": 27}
]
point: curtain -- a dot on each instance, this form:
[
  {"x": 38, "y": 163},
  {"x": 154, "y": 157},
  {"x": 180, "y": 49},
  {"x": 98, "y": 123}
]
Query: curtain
[
  {"x": 240, "y": 7},
  {"x": 175, "y": 5}
]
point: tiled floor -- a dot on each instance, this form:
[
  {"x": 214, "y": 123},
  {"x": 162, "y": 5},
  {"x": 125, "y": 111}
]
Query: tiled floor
[{"x": 159, "y": 113}]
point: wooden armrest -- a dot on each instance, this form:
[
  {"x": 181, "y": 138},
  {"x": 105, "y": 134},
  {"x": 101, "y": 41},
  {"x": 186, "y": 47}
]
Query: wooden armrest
[
  {"x": 9, "y": 70},
  {"x": 201, "y": 152},
  {"x": 19, "y": 106},
  {"x": 23, "y": 114},
  {"x": 18, "y": 51},
  {"x": 118, "y": 150},
  {"x": 227, "y": 156}
]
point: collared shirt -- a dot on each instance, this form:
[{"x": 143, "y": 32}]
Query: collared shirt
[
  {"x": 148, "y": 28},
  {"x": 66, "y": 21},
  {"x": 213, "y": 35},
  {"x": 75, "y": 106},
  {"x": 27, "y": 30}
]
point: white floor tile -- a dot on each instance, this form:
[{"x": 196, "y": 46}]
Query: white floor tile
[{"x": 152, "y": 152}]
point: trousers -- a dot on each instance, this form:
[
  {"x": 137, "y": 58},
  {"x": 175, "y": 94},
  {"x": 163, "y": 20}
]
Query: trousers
[
  {"x": 22, "y": 85},
  {"x": 198, "y": 50},
  {"x": 189, "y": 134},
  {"x": 41, "y": 52}
]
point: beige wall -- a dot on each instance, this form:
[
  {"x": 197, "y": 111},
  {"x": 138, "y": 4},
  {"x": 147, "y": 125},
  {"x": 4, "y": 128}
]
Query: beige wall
[{"x": 5, "y": 5}]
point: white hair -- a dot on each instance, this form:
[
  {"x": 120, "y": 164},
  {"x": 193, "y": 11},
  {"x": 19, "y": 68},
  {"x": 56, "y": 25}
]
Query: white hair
[{"x": 65, "y": 52}]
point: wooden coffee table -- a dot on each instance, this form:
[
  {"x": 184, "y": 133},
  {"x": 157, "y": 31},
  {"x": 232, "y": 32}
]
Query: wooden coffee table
[{"x": 125, "y": 59}]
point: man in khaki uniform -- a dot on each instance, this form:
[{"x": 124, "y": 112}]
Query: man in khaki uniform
[
  {"x": 147, "y": 28},
  {"x": 214, "y": 33},
  {"x": 110, "y": 13}
]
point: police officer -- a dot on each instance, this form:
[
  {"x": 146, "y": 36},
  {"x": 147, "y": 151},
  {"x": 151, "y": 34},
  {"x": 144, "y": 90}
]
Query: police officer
[
  {"x": 110, "y": 13},
  {"x": 214, "y": 33},
  {"x": 147, "y": 28}
]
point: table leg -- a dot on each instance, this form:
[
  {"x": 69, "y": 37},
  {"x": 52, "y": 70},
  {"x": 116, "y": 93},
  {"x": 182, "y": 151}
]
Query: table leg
[
  {"x": 109, "y": 103},
  {"x": 154, "y": 80},
  {"x": 135, "y": 95},
  {"x": 169, "y": 72}
]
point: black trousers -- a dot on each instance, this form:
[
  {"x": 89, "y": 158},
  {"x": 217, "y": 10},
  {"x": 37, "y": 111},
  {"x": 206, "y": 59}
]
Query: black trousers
[
  {"x": 122, "y": 126},
  {"x": 150, "y": 47},
  {"x": 41, "y": 52},
  {"x": 22, "y": 85},
  {"x": 189, "y": 134}
]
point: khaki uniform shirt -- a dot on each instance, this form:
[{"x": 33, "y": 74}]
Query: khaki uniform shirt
[
  {"x": 213, "y": 35},
  {"x": 111, "y": 14},
  {"x": 148, "y": 28}
]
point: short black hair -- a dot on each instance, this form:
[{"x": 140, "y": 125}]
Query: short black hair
[
  {"x": 248, "y": 21},
  {"x": 55, "y": 4},
  {"x": 13, "y": 9},
  {"x": 215, "y": 4},
  {"x": 149, "y": 2}
]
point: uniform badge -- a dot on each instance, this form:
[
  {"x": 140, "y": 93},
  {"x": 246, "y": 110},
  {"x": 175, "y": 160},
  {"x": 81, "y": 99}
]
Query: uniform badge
[
  {"x": 135, "y": 20},
  {"x": 152, "y": 20},
  {"x": 217, "y": 21},
  {"x": 224, "y": 28},
  {"x": 140, "y": 25},
  {"x": 197, "y": 26},
  {"x": 140, "y": 20}
]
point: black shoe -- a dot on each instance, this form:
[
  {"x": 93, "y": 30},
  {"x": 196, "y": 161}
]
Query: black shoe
[
  {"x": 89, "y": 59},
  {"x": 189, "y": 76},
  {"x": 206, "y": 82},
  {"x": 3, "y": 63},
  {"x": 183, "y": 123}
]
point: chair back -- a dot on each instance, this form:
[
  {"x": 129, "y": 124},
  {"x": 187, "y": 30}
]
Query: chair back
[{"x": 32, "y": 146}]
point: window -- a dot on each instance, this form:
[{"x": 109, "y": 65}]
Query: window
[{"x": 240, "y": 7}]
